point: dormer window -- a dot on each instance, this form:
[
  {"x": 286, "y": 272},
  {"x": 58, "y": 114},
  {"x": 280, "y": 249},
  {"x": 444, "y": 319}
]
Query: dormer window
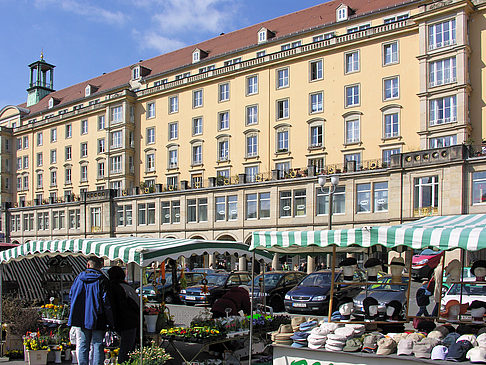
[
  {"x": 342, "y": 13},
  {"x": 264, "y": 35},
  {"x": 51, "y": 103},
  {"x": 136, "y": 73},
  {"x": 195, "y": 56},
  {"x": 198, "y": 55},
  {"x": 87, "y": 91}
]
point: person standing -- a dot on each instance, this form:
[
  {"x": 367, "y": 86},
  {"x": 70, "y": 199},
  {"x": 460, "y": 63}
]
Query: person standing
[
  {"x": 423, "y": 299},
  {"x": 91, "y": 313},
  {"x": 236, "y": 299},
  {"x": 126, "y": 311}
]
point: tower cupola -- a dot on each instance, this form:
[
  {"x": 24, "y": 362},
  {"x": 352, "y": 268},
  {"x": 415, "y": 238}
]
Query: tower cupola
[{"x": 41, "y": 81}]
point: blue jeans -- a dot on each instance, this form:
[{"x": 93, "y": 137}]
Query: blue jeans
[{"x": 87, "y": 340}]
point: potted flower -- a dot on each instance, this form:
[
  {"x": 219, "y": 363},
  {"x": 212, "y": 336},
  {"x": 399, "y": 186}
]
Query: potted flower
[
  {"x": 151, "y": 314},
  {"x": 37, "y": 348},
  {"x": 151, "y": 355}
]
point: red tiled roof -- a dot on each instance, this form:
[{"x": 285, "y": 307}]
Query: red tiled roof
[{"x": 315, "y": 16}]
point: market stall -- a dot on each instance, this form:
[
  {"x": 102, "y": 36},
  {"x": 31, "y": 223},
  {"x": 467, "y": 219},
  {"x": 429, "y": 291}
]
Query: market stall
[
  {"x": 342, "y": 332},
  {"x": 140, "y": 251}
]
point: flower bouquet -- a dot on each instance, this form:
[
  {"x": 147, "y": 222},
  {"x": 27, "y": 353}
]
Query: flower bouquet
[
  {"x": 55, "y": 313},
  {"x": 151, "y": 355}
]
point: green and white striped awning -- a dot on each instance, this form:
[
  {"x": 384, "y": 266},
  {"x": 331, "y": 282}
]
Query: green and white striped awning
[
  {"x": 142, "y": 251},
  {"x": 443, "y": 232}
]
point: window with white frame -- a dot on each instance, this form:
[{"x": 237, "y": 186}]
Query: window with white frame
[
  {"x": 316, "y": 102},
  {"x": 426, "y": 194},
  {"x": 40, "y": 180},
  {"x": 197, "y": 126},
  {"x": 101, "y": 122},
  {"x": 116, "y": 114},
  {"x": 28, "y": 222},
  {"x": 356, "y": 157},
  {"x": 26, "y": 162},
  {"x": 53, "y": 156},
  {"x": 224, "y": 91},
  {"x": 262, "y": 35},
  {"x": 363, "y": 198},
  {"x": 173, "y": 131},
  {"x": 150, "y": 110},
  {"x": 124, "y": 215},
  {"x": 39, "y": 159},
  {"x": 442, "y": 72},
  {"x": 226, "y": 208},
  {"x": 316, "y": 134},
  {"x": 257, "y": 205},
  {"x": 84, "y": 126},
  {"x": 391, "y": 88},
  {"x": 171, "y": 212},
  {"x": 151, "y": 135},
  {"x": 351, "y": 61},
  {"x": 372, "y": 197},
  {"x": 101, "y": 170},
  {"x": 390, "y": 53},
  {"x": 101, "y": 145},
  {"x": 442, "y": 110},
  {"x": 19, "y": 163},
  {"x": 283, "y": 169},
  {"x": 391, "y": 125},
  {"x": 197, "y": 154},
  {"x": 197, "y": 98},
  {"x": 150, "y": 162},
  {"x": 116, "y": 139},
  {"x": 84, "y": 149},
  {"x": 232, "y": 62},
  {"x": 19, "y": 144},
  {"x": 252, "y": 114},
  {"x": 442, "y": 34},
  {"x": 197, "y": 210},
  {"x": 58, "y": 219},
  {"x": 352, "y": 95},
  {"x": 116, "y": 164},
  {"x": 251, "y": 145},
  {"x": 282, "y": 78},
  {"x": 68, "y": 153},
  {"x": 223, "y": 149},
  {"x": 43, "y": 220},
  {"x": 53, "y": 135},
  {"x": 293, "y": 203},
  {"x": 261, "y": 53},
  {"x": 316, "y": 70},
  {"x": 252, "y": 85},
  {"x": 53, "y": 177},
  {"x": 282, "y": 109},
  {"x": 479, "y": 187},
  {"x": 387, "y": 153},
  {"x": 195, "y": 56},
  {"x": 74, "y": 218},
  {"x": 173, "y": 157},
  {"x": 40, "y": 139},
  {"x": 26, "y": 142},
  {"x": 95, "y": 215},
  {"x": 338, "y": 200},
  {"x": 342, "y": 13},
  {"x": 173, "y": 104},
  {"x": 251, "y": 173},
  {"x": 282, "y": 140},
  {"x": 445, "y": 141},
  {"x": 69, "y": 130},
  {"x": 84, "y": 173},
  {"x": 352, "y": 130},
  {"x": 223, "y": 118}
]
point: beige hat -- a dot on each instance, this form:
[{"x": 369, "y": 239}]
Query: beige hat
[
  {"x": 436, "y": 334},
  {"x": 386, "y": 346},
  {"x": 296, "y": 321}
]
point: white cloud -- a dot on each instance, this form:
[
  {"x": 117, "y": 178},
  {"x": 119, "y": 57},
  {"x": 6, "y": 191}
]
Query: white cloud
[
  {"x": 152, "y": 40},
  {"x": 84, "y": 8}
]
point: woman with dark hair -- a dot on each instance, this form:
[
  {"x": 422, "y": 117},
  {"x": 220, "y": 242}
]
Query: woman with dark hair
[{"x": 126, "y": 309}]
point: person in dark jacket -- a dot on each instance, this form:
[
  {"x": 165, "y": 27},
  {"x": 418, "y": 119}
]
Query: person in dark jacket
[
  {"x": 91, "y": 313},
  {"x": 423, "y": 299},
  {"x": 126, "y": 311},
  {"x": 236, "y": 299}
]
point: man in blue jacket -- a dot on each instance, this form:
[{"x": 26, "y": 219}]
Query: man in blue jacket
[{"x": 90, "y": 312}]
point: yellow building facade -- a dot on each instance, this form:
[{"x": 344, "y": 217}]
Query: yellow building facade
[{"x": 225, "y": 137}]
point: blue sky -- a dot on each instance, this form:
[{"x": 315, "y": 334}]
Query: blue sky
[{"x": 85, "y": 38}]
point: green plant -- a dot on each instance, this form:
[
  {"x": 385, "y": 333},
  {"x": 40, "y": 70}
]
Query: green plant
[
  {"x": 20, "y": 318},
  {"x": 151, "y": 355}
]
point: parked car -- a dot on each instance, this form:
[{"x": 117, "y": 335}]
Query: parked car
[
  {"x": 312, "y": 294},
  {"x": 154, "y": 293},
  {"x": 470, "y": 292},
  {"x": 273, "y": 286},
  {"x": 424, "y": 263},
  {"x": 445, "y": 286},
  {"x": 384, "y": 292},
  {"x": 218, "y": 284}
]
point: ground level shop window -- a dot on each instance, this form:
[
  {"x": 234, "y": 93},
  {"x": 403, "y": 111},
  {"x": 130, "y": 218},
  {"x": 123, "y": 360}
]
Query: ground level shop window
[
  {"x": 426, "y": 195},
  {"x": 479, "y": 187},
  {"x": 338, "y": 201}
]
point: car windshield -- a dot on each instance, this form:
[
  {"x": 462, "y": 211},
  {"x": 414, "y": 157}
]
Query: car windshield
[
  {"x": 429, "y": 252},
  {"x": 385, "y": 285},
  {"x": 467, "y": 289},
  {"x": 271, "y": 280},
  {"x": 168, "y": 279},
  {"x": 193, "y": 279},
  {"x": 317, "y": 279},
  {"x": 216, "y": 279}
]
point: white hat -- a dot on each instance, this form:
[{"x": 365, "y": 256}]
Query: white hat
[
  {"x": 345, "y": 332},
  {"x": 481, "y": 340},
  {"x": 470, "y": 338},
  {"x": 477, "y": 355},
  {"x": 439, "y": 352}
]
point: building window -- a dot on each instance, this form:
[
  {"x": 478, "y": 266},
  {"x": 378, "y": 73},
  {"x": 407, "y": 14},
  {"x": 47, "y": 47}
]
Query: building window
[
  {"x": 150, "y": 162},
  {"x": 261, "y": 54},
  {"x": 117, "y": 114},
  {"x": 223, "y": 118},
  {"x": 101, "y": 170},
  {"x": 197, "y": 154},
  {"x": 197, "y": 210},
  {"x": 352, "y": 131},
  {"x": 26, "y": 162},
  {"x": 84, "y": 173},
  {"x": 316, "y": 102},
  {"x": 258, "y": 206},
  {"x": 316, "y": 70},
  {"x": 386, "y": 155},
  {"x": 150, "y": 135},
  {"x": 69, "y": 130},
  {"x": 251, "y": 173},
  {"x": 43, "y": 220},
  {"x": 223, "y": 150},
  {"x": 356, "y": 157},
  {"x": 479, "y": 187},
  {"x": 40, "y": 180},
  {"x": 67, "y": 175},
  {"x": 74, "y": 218},
  {"x": 282, "y": 140},
  {"x": 351, "y": 61},
  {"x": 53, "y": 135},
  {"x": 391, "y": 125},
  {"x": 68, "y": 153},
  {"x": 53, "y": 178},
  {"x": 442, "y": 110},
  {"x": 39, "y": 159},
  {"x": 283, "y": 169},
  {"x": 84, "y": 150},
  {"x": 316, "y": 135},
  {"x": 338, "y": 200},
  {"x": 252, "y": 85},
  {"x": 173, "y": 158},
  {"x": 318, "y": 164},
  {"x": 40, "y": 139},
  {"x": 293, "y": 204},
  {"x": 390, "y": 88},
  {"x": 197, "y": 98},
  {"x": 390, "y": 53},
  {"x": 146, "y": 213},
  {"x": 342, "y": 13},
  {"x": 84, "y": 127},
  {"x": 124, "y": 215},
  {"x": 95, "y": 214},
  {"x": 251, "y": 145},
  {"x": 171, "y": 212},
  {"x": 197, "y": 126},
  {"x": 58, "y": 219},
  {"x": 29, "y": 221},
  {"x": 445, "y": 141},
  {"x": 173, "y": 104},
  {"x": 116, "y": 139},
  {"x": 282, "y": 109},
  {"x": 172, "y": 182},
  {"x": 101, "y": 145},
  {"x": 116, "y": 164},
  {"x": 173, "y": 131},
  {"x": 101, "y": 122},
  {"x": 380, "y": 196},
  {"x": 363, "y": 198},
  {"x": 282, "y": 78},
  {"x": 224, "y": 91},
  {"x": 442, "y": 34},
  {"x": 252, "y": 115},
  {"x": 226, "y": 208},
  {"x": 352, "y": 95},
  {"x": 426, "y": 195},
  {"x": 442, "y": 72},
  {"x": 53, "y": 156},
  {"x": 19, "y": 144}
]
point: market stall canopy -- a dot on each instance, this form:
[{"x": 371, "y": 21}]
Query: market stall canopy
[
  {"x": 442, "y": 232},
  {"x": 139, "y": 250}
]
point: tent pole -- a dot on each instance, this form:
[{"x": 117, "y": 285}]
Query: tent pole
[
  {"x": 141, "y": 309},
  {"x": 1, "y": 311},
  {"x": 250, "y": 350}
]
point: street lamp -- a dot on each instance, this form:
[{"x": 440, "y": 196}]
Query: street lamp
[{"x": 334, "y": 183}]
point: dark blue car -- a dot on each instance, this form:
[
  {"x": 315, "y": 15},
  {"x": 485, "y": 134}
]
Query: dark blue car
[{"x": 312, "y": 294}]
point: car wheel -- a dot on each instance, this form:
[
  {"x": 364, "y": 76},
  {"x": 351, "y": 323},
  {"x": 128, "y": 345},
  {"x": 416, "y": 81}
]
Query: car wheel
[{"x": 277, "y": 304}]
